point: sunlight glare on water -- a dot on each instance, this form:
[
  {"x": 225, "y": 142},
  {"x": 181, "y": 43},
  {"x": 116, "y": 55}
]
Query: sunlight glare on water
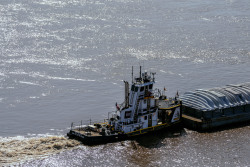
[{"x": 65, "y": 61}]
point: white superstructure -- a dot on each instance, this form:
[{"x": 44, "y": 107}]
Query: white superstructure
[{"x": 139, "y": 110}]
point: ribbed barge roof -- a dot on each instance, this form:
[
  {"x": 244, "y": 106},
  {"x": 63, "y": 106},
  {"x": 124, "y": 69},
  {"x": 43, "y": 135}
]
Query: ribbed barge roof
[{"x": 218, "y": 98}]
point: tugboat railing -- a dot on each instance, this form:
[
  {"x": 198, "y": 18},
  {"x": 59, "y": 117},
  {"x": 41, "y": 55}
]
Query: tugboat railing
[{"x": 77, "y": 125}]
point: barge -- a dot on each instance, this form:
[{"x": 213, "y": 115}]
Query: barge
[
  {"x": 145, "y": 110},
  {"x": 206, "y": 109}
]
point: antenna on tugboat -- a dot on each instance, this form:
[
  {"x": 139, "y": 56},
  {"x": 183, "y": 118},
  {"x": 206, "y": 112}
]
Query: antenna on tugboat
[
  {"x": 132, "y": 74},
  {"x": 153, "y": 73},
  {"x": 140, "y": 72}
]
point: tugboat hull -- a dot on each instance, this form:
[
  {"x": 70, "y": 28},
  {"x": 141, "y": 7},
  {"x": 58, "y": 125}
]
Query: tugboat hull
[
  {"x": 152, "y": 129},
  {"x": 95, "y": 140}
]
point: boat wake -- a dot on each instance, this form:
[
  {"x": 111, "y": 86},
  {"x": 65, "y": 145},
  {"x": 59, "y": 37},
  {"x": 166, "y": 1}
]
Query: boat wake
[{"x": 16, "y": 150}]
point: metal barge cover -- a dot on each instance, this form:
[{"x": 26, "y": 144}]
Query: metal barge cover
[{"x": 208, "y": 108}]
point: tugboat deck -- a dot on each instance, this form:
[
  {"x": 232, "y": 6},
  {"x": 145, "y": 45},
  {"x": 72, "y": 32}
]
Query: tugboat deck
[
  {"x": 191, "y": 118},
  {"x": 87, "y": 133}
]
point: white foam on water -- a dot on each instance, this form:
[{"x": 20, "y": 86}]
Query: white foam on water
[
  {"x": 172, "y": 55},
  {"x": 167, "y": 72},
  {"x": 37, "y": 74},
  {"x": 19, "y": 148},
  {"x": 53, "y": 3},
  {"x": 74, "y": 79},
  {"x": 57, "y": 130},
  {"x": 1, "y": 99},
  {"x": 206, "y": 19},
  {"x": 29, "y": 83},
  {"x": 10, "y": 87},
  {"x": 34, "y": 97},
  {"x": 70, "y": 62},
  {"x": 16, "y": 7},
  {"x": 2, "y": 74},
  {"x": 45, "y": 94},
  {"x": 18, "y": 72},
  {"x": 141, "y": 54}
]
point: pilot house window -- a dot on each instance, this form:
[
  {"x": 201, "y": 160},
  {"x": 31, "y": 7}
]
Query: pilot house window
[
  {"x": 134, "y": 88},
  {"x": 151, "y": 86},
  {"x": 127, "y": 114}
]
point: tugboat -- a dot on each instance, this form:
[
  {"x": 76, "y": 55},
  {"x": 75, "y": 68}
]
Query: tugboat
[{"x": 144, "y": 111}]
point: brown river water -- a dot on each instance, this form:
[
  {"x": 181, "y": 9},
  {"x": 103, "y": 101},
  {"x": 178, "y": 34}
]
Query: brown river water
[
  {"x": 64, "y": 61},
  {"x": 182, "y": 147}
]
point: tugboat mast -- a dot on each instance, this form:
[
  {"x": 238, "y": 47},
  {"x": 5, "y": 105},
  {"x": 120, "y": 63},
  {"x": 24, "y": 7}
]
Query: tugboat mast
[
  {"x": 132, "y": 75},
  {"x": 140, "y": 72}
]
